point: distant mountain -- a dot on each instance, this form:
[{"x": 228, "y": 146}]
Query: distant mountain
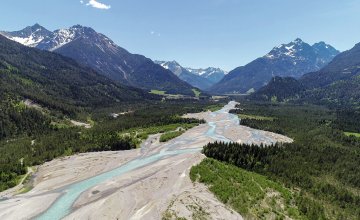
[
  {"x": 293, "y": 59},
  {"x": 345, "y": 66},
  {"x": 57, "y": 82},
  {"x": 30, "y": 36},
  {"x": 193, "y": 79},
  {"x": 96, "y": 50},
  {"x": 337, "y": 84},
  {"x": 211, "y": 73}
]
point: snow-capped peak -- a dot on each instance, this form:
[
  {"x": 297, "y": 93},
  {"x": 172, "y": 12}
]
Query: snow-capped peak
[
  {"x": 173, "y": 66},
  {"x": 208, "y": 71},
  {"x": 64, "y": 36},
  {"x": 38, "y": 36},
  {"x": 30, "y": 36},
  {"x": 298, "y": 50},
  {"x": 167, "y": 64},
  {"x": 211, "y": 73},
  {"x": 287, "y": 50},
  {"x": 201, "y": 78}
]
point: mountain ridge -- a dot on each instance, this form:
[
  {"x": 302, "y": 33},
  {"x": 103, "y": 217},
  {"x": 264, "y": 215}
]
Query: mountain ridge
[
  {"x": 57, "y": 82},
  {"x": 213, "y": 74},
  {"x": 99, "y": 52},
  {"x": 293, "y": 59},
  {"x": 200, "y": 78},
  {"x": 338, "y": 83}
]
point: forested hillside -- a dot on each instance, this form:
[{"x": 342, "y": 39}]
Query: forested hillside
[
  {"x": 57, "y": 82},
  {"x": 323, "y": 162},
  {"x": 279, "y": 89}
]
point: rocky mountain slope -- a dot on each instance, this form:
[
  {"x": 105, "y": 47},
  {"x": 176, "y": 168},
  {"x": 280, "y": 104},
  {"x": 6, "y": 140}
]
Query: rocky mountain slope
[
  {"x": 211, "y": 73},
  {"x": 99, "y": 52},
  {"x": 338, "y": 83},
  {"x": 183, "y": 74},
  {"x": 57, "y": 82},
  {"x": 287, "y": 60}
]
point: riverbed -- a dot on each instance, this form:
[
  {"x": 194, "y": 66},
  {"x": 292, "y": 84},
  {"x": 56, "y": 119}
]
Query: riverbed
[{"x": 138, "y": 184}]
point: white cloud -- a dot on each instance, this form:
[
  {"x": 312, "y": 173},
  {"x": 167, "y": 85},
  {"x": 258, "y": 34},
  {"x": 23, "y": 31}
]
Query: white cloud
[
  {"x": 81, "y": 2},
  {"x": 98, "y": 5},
  {"x": 155, "y": 33}
]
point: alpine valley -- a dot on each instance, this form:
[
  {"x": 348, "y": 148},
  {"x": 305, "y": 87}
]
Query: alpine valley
[{"x": 91, "y": 131}]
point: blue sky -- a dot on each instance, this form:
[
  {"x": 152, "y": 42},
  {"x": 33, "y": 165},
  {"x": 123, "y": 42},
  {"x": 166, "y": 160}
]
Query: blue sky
[{"x": 197, "y": 33}]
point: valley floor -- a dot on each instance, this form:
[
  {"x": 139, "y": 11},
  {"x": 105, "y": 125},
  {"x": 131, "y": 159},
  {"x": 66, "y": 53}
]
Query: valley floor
[{"x": 147, "y": 183}]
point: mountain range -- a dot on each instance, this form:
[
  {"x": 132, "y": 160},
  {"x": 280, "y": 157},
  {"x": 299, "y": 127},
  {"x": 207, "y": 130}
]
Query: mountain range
[
  {"x": 213, "y": 74},
  {"x": 295, "y": 70},
  {"x": 338, "y": 83},
  {"x": 97, "y": 51},
  {"x": 287, "y": 60},
  {"x": 200, "y": 78},
  {"x": 57, "y": 82}
]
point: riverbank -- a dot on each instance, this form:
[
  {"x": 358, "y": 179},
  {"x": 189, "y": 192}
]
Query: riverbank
[{"x": 21, "y": 185}]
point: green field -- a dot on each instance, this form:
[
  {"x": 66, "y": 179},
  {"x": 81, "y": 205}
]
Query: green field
[
  {"x": 170, "y": 135},
  {"x": 137, "y": 135},
  {"x": 196, "y": 92},
  {"x": 252, "y": 195},
  {"x": 214, "y": 108},
  {"x": 157, "y": 92},
  {"x": 256, "y": 117},
  {"x": 167, "y": 96},
  {"x": 352, "y": 134}
]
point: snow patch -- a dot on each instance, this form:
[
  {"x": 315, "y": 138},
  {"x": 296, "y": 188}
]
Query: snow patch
[
  {"x": 28, "y": 41},
  {"x": 62, "y": 37}
]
